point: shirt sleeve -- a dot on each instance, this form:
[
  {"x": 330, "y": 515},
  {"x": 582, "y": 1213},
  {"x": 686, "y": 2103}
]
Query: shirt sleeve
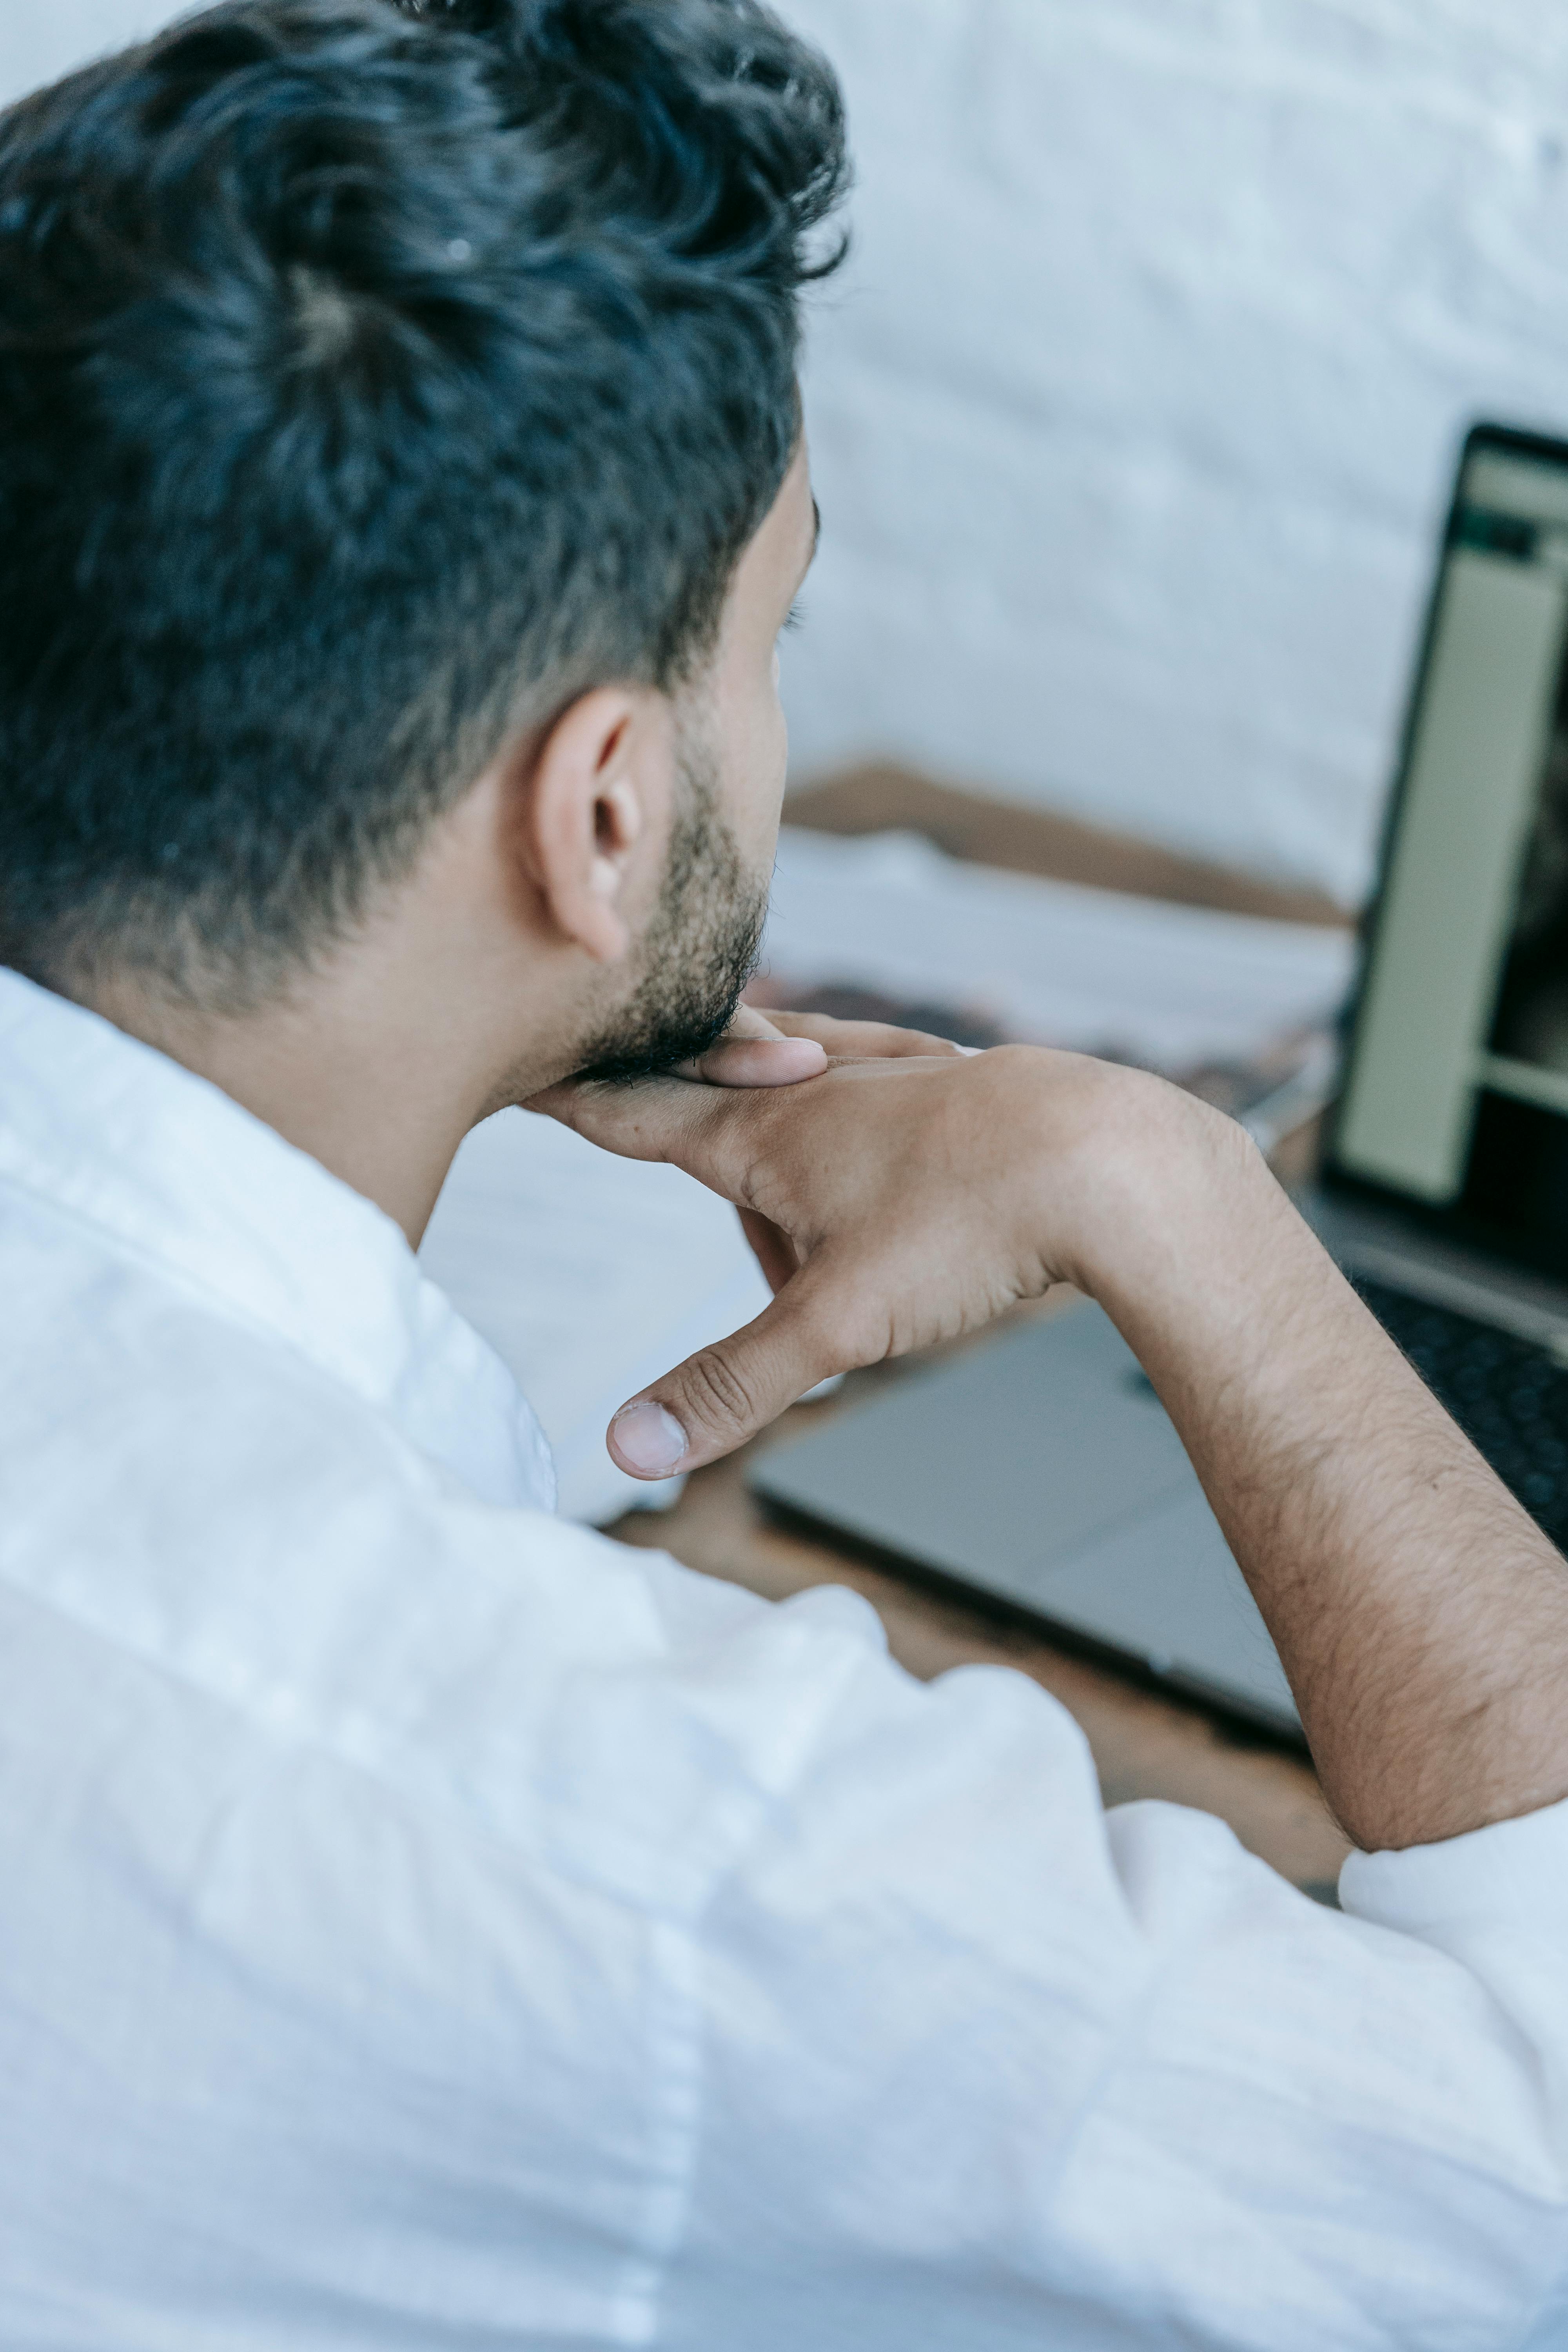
[{"x": 987, "y": 2066}]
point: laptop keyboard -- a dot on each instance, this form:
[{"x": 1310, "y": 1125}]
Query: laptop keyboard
[{"x": 1508, "y": 1395}]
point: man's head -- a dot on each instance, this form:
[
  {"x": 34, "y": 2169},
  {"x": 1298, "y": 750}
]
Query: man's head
[{"x": 398, "y": 413}]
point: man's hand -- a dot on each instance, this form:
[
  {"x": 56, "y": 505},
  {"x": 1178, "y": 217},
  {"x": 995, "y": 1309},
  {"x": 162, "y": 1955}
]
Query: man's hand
[
  {"x": 756, "y": 1051},
  {"x": 1421, "y": 1615},
  {"x": 911, "y": 1192},
  {"x": 750, "y": 1054},
  {"x": 780, "y": 1049}
]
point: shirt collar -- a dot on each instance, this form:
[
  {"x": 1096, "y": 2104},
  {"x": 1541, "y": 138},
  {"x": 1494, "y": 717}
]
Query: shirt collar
[{"x": 169, "y": 1168}]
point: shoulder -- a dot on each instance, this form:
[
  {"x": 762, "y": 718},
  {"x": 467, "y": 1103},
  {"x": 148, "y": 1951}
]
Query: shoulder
[{"x": 196, "y": 1498}]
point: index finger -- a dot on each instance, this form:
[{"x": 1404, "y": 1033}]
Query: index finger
[
  {"x": 633, "y": 1117},
  {"x": 701, "y": 1130}
]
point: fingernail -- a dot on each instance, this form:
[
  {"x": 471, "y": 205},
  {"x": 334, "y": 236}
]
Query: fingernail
[{"x": 648, "y": 1440}]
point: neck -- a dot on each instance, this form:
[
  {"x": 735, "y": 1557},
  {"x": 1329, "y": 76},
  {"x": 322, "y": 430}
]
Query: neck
[
  {"x": 381, "y": 1104},
  {"x": 454, "y": 998}
]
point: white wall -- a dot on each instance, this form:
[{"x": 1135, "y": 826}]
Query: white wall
[
  {"x": 1133, "y": 419},
  {"x": 1132, "y": 424},
  {"x": 42, "y": 38}
]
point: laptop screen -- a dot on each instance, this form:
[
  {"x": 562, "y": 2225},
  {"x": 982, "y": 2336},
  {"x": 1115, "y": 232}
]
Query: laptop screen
[{"x": 1456, "y": 1099}]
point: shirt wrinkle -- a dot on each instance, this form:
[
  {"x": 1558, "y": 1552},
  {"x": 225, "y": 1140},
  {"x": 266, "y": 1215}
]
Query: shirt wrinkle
[
  {"x": 424, "y": 1921},
  {"x": 302, "y": 1737}
]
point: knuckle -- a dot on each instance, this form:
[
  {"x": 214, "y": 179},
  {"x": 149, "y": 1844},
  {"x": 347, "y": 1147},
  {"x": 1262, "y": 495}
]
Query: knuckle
[{"x": 716, "y": 1393}]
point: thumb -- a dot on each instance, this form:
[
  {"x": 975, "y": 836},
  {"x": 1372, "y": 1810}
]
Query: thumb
[
  {"x": 725, "y": 1394},
  {"x": 753, "y": 1052},
  {"x": 759, "y": 1062}
]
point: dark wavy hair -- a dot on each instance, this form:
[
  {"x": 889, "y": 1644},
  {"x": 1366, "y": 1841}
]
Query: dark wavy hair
[{"x": 373, "y": 378}]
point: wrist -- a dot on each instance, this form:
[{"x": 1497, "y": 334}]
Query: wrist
[{"x": 1161, "y": 1187}]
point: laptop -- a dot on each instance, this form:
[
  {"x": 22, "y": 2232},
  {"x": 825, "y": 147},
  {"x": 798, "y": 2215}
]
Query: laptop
[{"x": 1037, "y": 1471}]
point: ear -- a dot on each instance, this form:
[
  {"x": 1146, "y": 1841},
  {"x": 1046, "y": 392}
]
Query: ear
[{"x": 599, "y": 780}]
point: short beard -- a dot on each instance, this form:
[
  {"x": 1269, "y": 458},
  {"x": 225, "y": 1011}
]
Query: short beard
[{"x": 701, "y": 945}]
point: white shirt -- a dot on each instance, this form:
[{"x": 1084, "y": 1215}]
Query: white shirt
[{"x": 427, "y": 1923}]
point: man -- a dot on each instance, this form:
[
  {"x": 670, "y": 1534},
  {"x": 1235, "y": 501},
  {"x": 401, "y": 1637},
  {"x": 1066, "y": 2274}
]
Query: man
[{"x": 425, "y": 1923}]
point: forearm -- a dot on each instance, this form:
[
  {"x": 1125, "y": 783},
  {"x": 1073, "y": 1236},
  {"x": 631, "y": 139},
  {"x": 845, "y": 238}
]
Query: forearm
[{"x": 1421, "y": 1615}]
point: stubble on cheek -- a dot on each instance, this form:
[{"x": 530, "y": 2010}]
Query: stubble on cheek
[{"x": 700, "y": 948}]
